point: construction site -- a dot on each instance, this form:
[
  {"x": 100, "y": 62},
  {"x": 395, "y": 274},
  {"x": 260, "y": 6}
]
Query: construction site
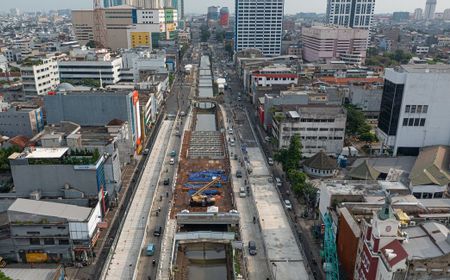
[{"x": 203, "y": 203}]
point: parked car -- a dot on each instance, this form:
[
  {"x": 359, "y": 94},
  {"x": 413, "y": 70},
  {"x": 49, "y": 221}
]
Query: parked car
[
  {"x": 157, "y": 231},
  {"x": 146, "y": 152},
  {"x": 270, "y": 161},
  {"x": 278, "y": 182},
  {"x": 239, "y": 174},
  {"x": 252, "y": 248},
  {"x": 242, "y": 192},
  {"x": 166, "y": 181},
  {"x": 288, "y": 204},
  {"x": 150, "y": 249},
  {"x": 172, "y": 161},
  {"x": 173, "y": 153}
]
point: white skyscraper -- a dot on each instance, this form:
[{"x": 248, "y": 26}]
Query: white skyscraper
[
  {"x": 259, "y": 25},
  {"x": 351, "y": 13},
  {"x": 430, "y": 9}
]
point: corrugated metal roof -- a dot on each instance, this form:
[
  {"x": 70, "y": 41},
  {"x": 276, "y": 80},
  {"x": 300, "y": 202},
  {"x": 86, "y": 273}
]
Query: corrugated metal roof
[
  {"x": 431, "y": 167},
  {"x": 52, "y": 209}
]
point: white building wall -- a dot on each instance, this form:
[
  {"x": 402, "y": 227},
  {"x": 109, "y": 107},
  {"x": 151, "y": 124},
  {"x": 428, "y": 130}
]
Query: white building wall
[
  {"x": 259, "y": 25},
  {"x": 40, "y": 79},
  {"x": 108, "y": 71},
  {"x": 432, "y": 90}
]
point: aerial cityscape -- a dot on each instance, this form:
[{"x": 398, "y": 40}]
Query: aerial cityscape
[{"x": 225, "y": 140}]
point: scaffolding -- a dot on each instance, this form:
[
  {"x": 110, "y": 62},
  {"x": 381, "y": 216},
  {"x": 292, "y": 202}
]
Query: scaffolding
[{"x": 329, "y": 253}]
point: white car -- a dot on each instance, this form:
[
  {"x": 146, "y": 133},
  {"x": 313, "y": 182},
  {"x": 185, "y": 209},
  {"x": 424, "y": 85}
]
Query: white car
[
  {"x": 270, "y": 161},
  {"x": 230, "y": 131},
  {"x": 288, "y": 204},
  {"x": 172, "y": 161}
]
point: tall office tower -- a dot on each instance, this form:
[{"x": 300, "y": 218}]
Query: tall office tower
[
  {"x": 351, "y": 13},
  {"x": 178, "y": 5},
  {"x": 112, "y": 3},
  {"x": 418, "y": 14},
  {"x": 259, "y": 25},
  {"x": 147, "y": 4},
  {"x": 213, "y": 13},
  {"x": 430, "y": 9},
  {"x": 224, "y": 16}
]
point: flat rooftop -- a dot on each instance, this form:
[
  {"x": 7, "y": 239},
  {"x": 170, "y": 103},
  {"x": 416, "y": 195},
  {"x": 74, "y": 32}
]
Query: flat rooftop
[
  {"x": 424, "y": 68},
  {"x": 41, "y": 153},
  {"x": 52, "y": 209}
]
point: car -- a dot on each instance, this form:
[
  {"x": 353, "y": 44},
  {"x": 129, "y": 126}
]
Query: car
[
  {"x": 239, "y": 174},
  {"x": 239, "y": 99},
  {"x": 230, "y": 131},
  {"x": 172, "y": 161},
  {"x": 157, "y": 231},
  {"x": 173, "y": 153},
  {"x": 150, "y": 249},
  {"x": 182, "y": 113},
  {"x": 177, "y": 133},
  {"x": 166, "y": 181},
  {"x": 146, "y": 152},
  {"x": 278, "y": 182},
  {"x": 267, "y": 139},
  {"x": 242, "y": 192},
  {"x": 270, "y": 161},
  {"x": 252, "y": 248},
  {"x": 288, "y": 204}
]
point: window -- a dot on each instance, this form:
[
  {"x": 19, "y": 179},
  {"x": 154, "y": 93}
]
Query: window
[
  {"x": 419, "y": 109},
  {"x": 49, "y": 241},
  {"x": 405, "y": 121},
  {"x": 64, "y": 242},
  {"x": 425, "y": 109},
  {"x": 411, "y": 122},
  {"x": 407, "y": 108},
  {"x": 33, "y": 232},
  {"x": 413, "y": 109},
  {"x": 422, "y": 122},
  {"x": 35, "y": 241},
  {"x": 416, "y": 122}
]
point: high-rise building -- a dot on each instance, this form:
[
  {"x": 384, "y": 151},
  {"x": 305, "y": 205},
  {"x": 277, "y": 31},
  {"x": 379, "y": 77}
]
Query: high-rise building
[
  {"x": 127, "y": 27},
  {"x": 265, "y": 32},
  {"x": 224, "y": 16},
  {"x": 213, "y": 13},
  {"x": 112, "y": 3},
  {"x": 327, "y": 43},
  {"x": 351, "y": 13},
  {"x": 430, "y": 9},
  {"x": 400, "y": 16},
  {"x": 414, "y": 111},
  {"x": 418, "y": 14}
]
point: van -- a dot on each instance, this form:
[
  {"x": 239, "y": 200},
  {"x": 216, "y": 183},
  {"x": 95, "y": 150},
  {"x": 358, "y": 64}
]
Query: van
[
  {"x": 242, "y": 192},
  {"x": 278, "y": 182},
  {"x": 150, "y": 249}
]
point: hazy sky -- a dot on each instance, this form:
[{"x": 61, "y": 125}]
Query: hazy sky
[{"x": 199, "y": 6}]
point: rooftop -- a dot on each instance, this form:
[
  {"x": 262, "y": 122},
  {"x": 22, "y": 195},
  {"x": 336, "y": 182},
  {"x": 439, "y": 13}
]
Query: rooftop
[
  {"x": 321, "y": 161},
  {"x": 428, "y": 240},
  {"x": 424, "y": 68},
  {"x": 40, "y": 153},
  {"x": 53, "y": 209},
  {"x": 432, "y": 167}
]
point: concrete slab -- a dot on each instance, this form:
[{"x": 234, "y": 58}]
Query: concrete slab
[{"x": 257, "y": 163}]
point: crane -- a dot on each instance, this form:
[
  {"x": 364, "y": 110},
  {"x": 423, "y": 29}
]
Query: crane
[
  {"x": 331, "y": 264},
  {"x": 198, "y": 198}
]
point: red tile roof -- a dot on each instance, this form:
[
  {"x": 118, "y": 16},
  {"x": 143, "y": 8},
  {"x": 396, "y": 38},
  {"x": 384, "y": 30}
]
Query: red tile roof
[
  {"x": 398, "y": 250},
  {"x": 346, "y": 81},
  {"x": 19, "y": 141}
]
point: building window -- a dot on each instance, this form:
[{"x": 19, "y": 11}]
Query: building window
[
  {"x": 33, "y": 232},
  {"x": 35, "y": 241},
  {"x": 405, "y": 121},
  {"x": 419, "y": 109},
  {"x": 413, "y": 109},
  {"x": 64, "y": 242},
  {"x": 407, "y": 108},
  {"x": 416, "y": 122},
  {"x": 422, "y": 122},
  {"x": 49, "y": 241},
  {"x": 411, "y": 122},
  {"x": 425, "y": 109}
]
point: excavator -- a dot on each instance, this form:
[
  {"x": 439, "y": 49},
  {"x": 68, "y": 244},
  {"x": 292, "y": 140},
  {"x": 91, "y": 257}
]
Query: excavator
[{"x": 199, "y": 199}]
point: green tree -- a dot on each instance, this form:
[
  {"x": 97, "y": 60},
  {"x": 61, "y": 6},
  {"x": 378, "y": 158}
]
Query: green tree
[
  {"x": 4, "y": 154},
  {"x": 368, "y": 137},
  {"x": 4, "y": 277},
  {"x": 91, "y": 44},
  {"x": 356, "y": 121},
  {"x": 290, "y": 158}
]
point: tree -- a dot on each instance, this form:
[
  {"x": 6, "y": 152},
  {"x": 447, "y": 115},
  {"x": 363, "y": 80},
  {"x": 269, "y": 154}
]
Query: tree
[
  {"x": 290, "y": 158},
  {"x": 4, "y": 277},
  {"x": 368, "y": 137},
  {"x": 356, "y": 121}
]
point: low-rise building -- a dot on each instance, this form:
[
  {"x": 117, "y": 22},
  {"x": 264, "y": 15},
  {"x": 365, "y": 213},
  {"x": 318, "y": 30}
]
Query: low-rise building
[
  {"x": 21, "y": 119},
  {"x": 106, "y": 70},
  {"x": 39, "y": 75},
  {"x": 60, "y": 172},
  {"x": 42, "y": 231},
  {"x": 319, "y": 127}
]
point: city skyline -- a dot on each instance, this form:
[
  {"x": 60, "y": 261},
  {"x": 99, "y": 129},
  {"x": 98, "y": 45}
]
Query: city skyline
[{"x": 291, "y": 6}]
